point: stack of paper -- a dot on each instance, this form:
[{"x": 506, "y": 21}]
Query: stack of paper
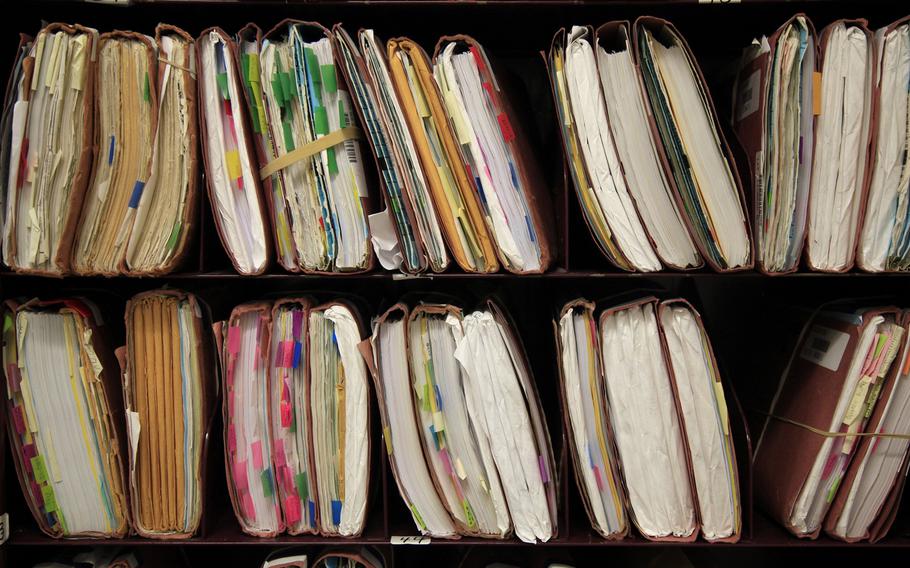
[
  {"x": 167, "y": 207},
  {"x": 842, "y": 363},
  {"x": 775, "y": 121},
  {"x": 168, "y": 389},
  {"x": 707, "y": 184},
  {"x": 667, "y": 417},
  {"x": 842, "y": 133},
  {"x": 620, "y": 183},
  {"x": 63, "y": 397},
  {"x": 321, "y": 202},
  {"x": 496, "y": 155},
  {"x": 478, "y": 418},
  {"x": 12, "y": 123},
  {"x": 125, "y": 104},
  {"x": 884, "y": 244},
  {"x": 339, "y": 410},
  {"x": 50, "y": 119},
  {"x": 248, "y": 440},
  {"x": 231, "y": 176}
]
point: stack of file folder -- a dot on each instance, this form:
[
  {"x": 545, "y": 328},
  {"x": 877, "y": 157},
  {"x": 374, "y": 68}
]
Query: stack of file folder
[
  {"x": 844, "y": 378},
  {"x": 169, "y": 392},
  {"x": 462, "y": 421},
  {"x": 296, "y": 417},
  {"x": 361, "y": 557},
  {"x": 657, "y": 448},
  {"x": 53, "y": 96},
  {"x": 775, "y": 122},
  {"x": 66, "y": 418}
]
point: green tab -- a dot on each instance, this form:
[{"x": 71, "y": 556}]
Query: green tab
[
  {"x": 329, "y": 80},
  {"x": 245, "y": 67},
  {"x": 39, "y": 469},
  {"x": 172, "y": 240},
  {"x": 312, "y": 65},
  {"x": 50, "y": 500},
  {"x": 321, "y": 120},
  {"x": 833, "y": 491},
  {"x": 333, "y": 164},
  {"x": 342, "y": 116},
  {"x": 288, "y": 136},
  {"x": 276, "y": 89},
  {"x": 469, "y": 514},
  {"x": 302, "y": 487},
  {"x": 418, "y": 518},
  {"x": 252, "y": 62},
  {"x": 223, "y": 86},
  {"x": 147, "y": 94},
  {"x": 267, "y": 489},
  {"x": 7, "y": 323},
  {"x": 287, "y": 87},
  {"x": 254, "y": 120}
]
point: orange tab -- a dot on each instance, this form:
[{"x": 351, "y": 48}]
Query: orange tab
[{"x": 816, "y": 93}]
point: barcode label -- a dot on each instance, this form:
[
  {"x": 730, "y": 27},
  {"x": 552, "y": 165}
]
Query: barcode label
[
  {"x": 747, "y": 100},
  {"x": 825, "y": 347}
]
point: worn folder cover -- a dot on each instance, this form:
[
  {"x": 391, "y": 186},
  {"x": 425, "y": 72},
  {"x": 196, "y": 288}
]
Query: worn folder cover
[
  {"x": 774, "y": 120},
  {"x": 833, "y": 378},
  {"x": 244, "y": 346},
  {"x": 495, "y": 148},
  {"x": 708, "y": 186},
  {"x": 167, "y": 211},
  {"x": 227, "y": 152},
  {"x": 169, "y": 390},
  {"x": 324, "y": 195},
  {"x": 125, "y": 116},
  {"x": 67, "y": 437},
  {"x": 843, "y": 135},
  {"x": 454, "y": 194},
  {"x": 12, "y": 123},
  {"x": 46, "y": 195}
]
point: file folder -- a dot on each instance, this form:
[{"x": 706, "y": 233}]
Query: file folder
[
  {"x": 708, "y": 187},
  {"x": 169, "y": 391},
  {"x": 44, "y": 196},
  {"x": 883, "y": 243},
  {"x": 775, "y": 123},
  {"x": 167, "y": 211},
  {"x": 126, "y": 118},
  {"x": 65, "y": 418},
  {"x": 227, "y": 152},
  {"x": 11, "y": 125},
  {"x": 387, "y": 356},
  {"x": 843, "y": 130},
  {"x": 497, "y": 154},
  {"x": 340, "y": 415},
  {"x": 843, "y": 359},
  {"x": 314, "y": 150},
  {"x": 621, "y": 187},
  {"x": 452, "y": 191}
]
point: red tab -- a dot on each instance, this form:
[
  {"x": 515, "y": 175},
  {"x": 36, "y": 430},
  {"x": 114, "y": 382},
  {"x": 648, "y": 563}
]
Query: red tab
[
  {"x": 256, "y": 448},
  {"x": 23, "y": 164},
  {"x": 234, "y": 340},
  {"x": 286, "y": 416},
  {"x": 488, "y": 87},
  {"x": 241, "y": 478},
  {"x": 507, "y": 133},
  {"x": 292, "y": 510},
  {"x": 231, "y": 438},
  {"x": 18, "y": 420},
  {"x": 247, "y": 505},
  {"x": 479, "y": 59},
  {"x": 78, "y": 307},
  {"x": 13, "y": 377},
  {"x": 280, "y": 460}
]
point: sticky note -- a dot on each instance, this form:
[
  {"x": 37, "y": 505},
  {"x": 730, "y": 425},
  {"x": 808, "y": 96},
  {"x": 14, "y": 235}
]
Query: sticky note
[
  {"x": 321, "y": 120},
  {"x": 137, "y": 194},
  {"x": 468, "y": 513},
  {"x": 234, "y": 339},
  {"x": 288, "y": 354},
  {"x": 256, "y": 449},
  {"x": 292, "y": 510},
  {"x": 232, "y": 159},
  {"x": 39, "y": 470},
  {"x": 336, "y": 512},
  {"x": 268, "y": 488},
  {"x": 329, "y": 79},
  {"x": 298, "y": 348},
  {"x": 446, "y": 461},
  {"x": 231, "y": 438},
  {"x": 50, "y": 500},
  {"x": 333, "y": 163}
]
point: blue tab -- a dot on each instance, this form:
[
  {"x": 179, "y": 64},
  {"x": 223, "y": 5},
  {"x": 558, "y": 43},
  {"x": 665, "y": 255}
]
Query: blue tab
[
  {"x": 297, "y": 346},
  {"x": 312, "y": 507},
  {"x": 336, "y": 512},
  {"x": 137, "y": 194},
  {"x": 514, "y": 176},
  {"x": 110, "y": 152},
  {"x": 438, "y": 398}
]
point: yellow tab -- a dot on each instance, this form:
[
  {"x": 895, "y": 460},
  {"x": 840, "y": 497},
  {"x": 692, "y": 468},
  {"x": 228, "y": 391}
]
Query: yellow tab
[
  {"x": 438, "y": 422},
  {"x": 461, "y": 129},
  {"x": 387, "y": 434},
  {"x": 78, "y": 58},
  {"x": 51, "y": 73},
  {"x": 232, "y": 159},
  {"x": 39, "y": 53},
  {"x": 816, "y": 93},
  {"x": 856, "y": 403},
  {"x": 419, "y": 100},
  {"x": 722, "y": 406},
  {"x": 459, "y": 469}
]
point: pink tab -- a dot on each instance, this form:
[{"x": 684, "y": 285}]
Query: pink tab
[
  {"x": 230, "y": 375},
  {"x": 231, "y": 439},
  {"x": 230, "y": 400},
  {"x": 544, "y": 475},
  {"x": 234, "y": 340},
  {"x": 249, "y": 510},
  {"x": 12, "y": 375},
  {"x": 241, "y": 477},
  {"x": 597, "y": 478},
  {"x": 288, "y": 354},
  {"x": 286, "y": 415},
  {"x": 18, "y": 420},
  {"x": 286, "y": 389},
  {"x": 298, "y": 324},
  {"x": 292, "y": 510},
  {"x": 280, "y": 458},
  {"x": 446, "y": 462},
  {"x": 256, "y": 448},
  {"x": 507, "y": 133}
]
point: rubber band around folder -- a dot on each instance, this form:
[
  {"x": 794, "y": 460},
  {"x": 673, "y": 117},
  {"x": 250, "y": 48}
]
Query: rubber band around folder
[
  {"x": 830, "y": 434},
  {"x": 178, "y": 66},
  {"x": 332, "y": 139}
]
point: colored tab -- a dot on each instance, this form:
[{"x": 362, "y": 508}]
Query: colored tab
[
  {"x": 302, "y": 486},
  {"x": 438, "y": 423},
  {"x": 298, "y": 324},
  {"x": 241, "y": 476},
  {"x": 39, "y": 470},
  {"x": 287, "y": 415},
  {"x": 288, "y": 354},
  {"x": 249, "y": 510},
  {"x": 417, "y": 518},
  {"x": 268, "y": 488},
  {"x": 298, "y": 349},
  {"x": 343, "y": 119},
  {"x": 288, "y": 136},
  {"x": 312, "y": 507},
  {"x": 7, "y": 322},
  {"x": 478, "y": 58},
  {"x": 329, "y": 79},
  {"x": 506, "y": 127},
  {"x": 232, "y": 160},
  {"x": 50, "y": 500},
  {"x": 137, "y": 194},
  {"x": 277, "y": 92},
  {"x": 280, "y": 459},
  {"x": 468, "y": 513},
  {"x": 231, "y": 438},
  {"x": 321, "y": 120},
  {"x": 446, "y": 462},
  {"x": 544, "y": 473},
  {"x": 18, "y": 420},
  {"x": 292, "y": 510},
  {"x": 36, "y": 493},
  {"x": 816, "y": 93},
  {"x": 222, "y": 80},
  {"x": 256, "y": 449},
  {"x": 147, "y": 89},
  {"x": 13, "y": 377},
  {"x": 29, "y": 451},
  {"x": 333, "y": 163},
  {"x": 234, "y": 340},
  {"x": 387, "y": 436},
  {"x": 110, "y": 151},
  {"x": 459, "y": 469},
  {"x": 312, "y": 65},
  {"x": 336, "y": 512},
  {"x": 597, "y": 478}
]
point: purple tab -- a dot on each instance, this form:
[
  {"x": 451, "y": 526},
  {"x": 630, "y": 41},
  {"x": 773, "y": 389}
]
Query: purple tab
[
  {"x": 234, "y": 340},
  {"x": 298, "y": 324},
  {"x": 544, "y": 475},
  {"x": 18, "y": 420},
  {"x": 28, "y": 452},
  {"x": 13, "y": 376}
]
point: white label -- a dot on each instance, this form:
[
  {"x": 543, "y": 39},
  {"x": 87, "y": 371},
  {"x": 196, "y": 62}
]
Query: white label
[
  {"x": 410, "y": 540},
  {"x": 719, "y": 1},
  {"x": 4, "y": 528},
  {"x": 748, "y": 96},
  {"x": 825, "y": 347}
]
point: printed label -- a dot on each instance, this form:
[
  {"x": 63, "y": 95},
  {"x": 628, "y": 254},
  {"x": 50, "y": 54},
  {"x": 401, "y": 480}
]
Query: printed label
[
  {"x": 410, "y": 540},
  {"x": 748, "y": 97},
  {"x": 825, "y": 347}
]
